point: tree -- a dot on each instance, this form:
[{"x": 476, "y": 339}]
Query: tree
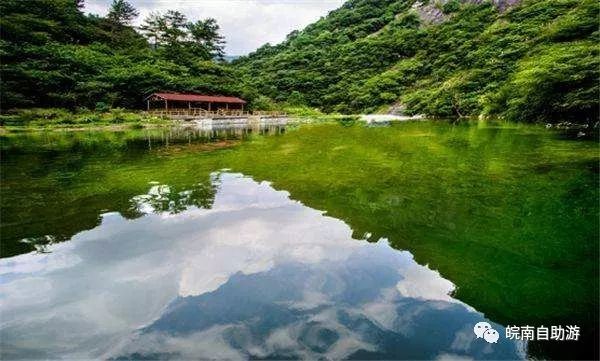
[
  {"x": 174, "y": 26},
  {"x": 205, "y": 39},
  {"x": 168, "y": 32},
  {"x": 53, "y": 55},
  {"x": 178, "y": 39},
  {"x": 152, "y": 28},
  {"x": 121, "y": 12},
  {"x": 296, "y": 99}
]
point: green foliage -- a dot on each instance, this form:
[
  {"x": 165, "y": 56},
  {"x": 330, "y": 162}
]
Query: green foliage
[
  {"x": 55, "y": 56},
  {"x": 44, "y": 117},
  {"x": 179, "y": 40},
  {"x": 117, "y": 116},
  {"x": 121, "y": 12},
  {"x": 263, "y": 103},
  {"x": 534, "y": 61},
  {"x": 473, "y": 58},
  {"x": 451, "y": 6},
  {"x": 303, "y": 111},
  {"x": 296, "y": 99},
  {"x": 102, "y": 107},
  {"x": 206, "y": 42},
  {"x": 559, "y": 82}
]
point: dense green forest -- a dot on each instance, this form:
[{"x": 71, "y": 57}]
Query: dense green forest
[
  {"x": 526, "y": 60},
  {"x": 53, "y": 55},
  {"x": 532, "y": 60}
]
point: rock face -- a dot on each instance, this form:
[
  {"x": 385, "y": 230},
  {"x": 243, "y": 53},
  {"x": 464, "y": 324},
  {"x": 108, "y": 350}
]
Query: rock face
[{"x": 431, "y": 11}]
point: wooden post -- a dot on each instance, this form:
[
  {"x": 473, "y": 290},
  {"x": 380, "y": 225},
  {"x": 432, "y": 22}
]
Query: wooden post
[
  {"x": 166, "y": 105},
  {"x": 209, "y": 106},
  {"x": 226, "y": 106},
  {"x": 148, "y": 104},
  {"x": 189, "y": 105}
]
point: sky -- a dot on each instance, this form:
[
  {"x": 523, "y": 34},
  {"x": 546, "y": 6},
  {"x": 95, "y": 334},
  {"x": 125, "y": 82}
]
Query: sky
[{"x": 246, "y": 24}]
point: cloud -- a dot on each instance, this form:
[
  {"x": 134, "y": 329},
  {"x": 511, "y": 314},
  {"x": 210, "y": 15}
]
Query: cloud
[{"x": 246, "y": 24}]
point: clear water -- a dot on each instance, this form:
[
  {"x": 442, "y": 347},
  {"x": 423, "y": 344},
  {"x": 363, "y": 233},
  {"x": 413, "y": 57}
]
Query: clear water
[{"x": 318, "y": 241}]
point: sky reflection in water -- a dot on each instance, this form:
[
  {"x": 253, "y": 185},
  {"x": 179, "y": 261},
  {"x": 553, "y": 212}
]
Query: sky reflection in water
[{"x": 255, "y": 274}]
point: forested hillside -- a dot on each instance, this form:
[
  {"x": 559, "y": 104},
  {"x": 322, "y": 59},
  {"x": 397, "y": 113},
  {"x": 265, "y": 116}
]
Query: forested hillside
[
  {"x": 533, "y": 60},
  {"x": 55, "y": 56}
]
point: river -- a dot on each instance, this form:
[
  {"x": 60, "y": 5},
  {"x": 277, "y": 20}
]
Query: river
[{"x": 333, "y": 240}]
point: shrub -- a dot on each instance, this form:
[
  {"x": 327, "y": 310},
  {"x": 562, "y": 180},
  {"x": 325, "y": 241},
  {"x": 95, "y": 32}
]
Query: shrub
[
  {"x": 263, "y": 103},
  {"x": 117, "y": 116},
  {"x": 102, "y": 107}
]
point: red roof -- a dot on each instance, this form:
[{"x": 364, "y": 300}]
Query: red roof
[{"x": 198, "y": 98}]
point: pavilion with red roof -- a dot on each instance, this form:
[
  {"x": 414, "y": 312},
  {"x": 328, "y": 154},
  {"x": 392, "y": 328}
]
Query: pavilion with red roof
[{"x": 169, "y": 101}]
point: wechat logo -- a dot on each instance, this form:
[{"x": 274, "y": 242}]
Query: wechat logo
[{"x": 484, "y": 330}]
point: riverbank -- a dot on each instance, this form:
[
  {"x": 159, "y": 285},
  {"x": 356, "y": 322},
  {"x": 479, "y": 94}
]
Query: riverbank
[
  {"x": 117, "y": 119},
  {"x": 56, "y": 118}
]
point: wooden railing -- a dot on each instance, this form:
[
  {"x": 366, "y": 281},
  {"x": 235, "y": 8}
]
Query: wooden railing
[{"x": 196, "y": 112}]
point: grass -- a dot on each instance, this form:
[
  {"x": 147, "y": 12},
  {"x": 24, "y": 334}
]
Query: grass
[{"x": 37, "y": 118}]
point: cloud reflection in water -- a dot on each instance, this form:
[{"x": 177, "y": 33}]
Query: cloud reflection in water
[{"x": 254, "y": 275}]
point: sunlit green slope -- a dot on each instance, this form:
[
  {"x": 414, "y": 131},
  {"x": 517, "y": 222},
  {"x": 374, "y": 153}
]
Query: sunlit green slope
[{"x": 524, "y": 59}]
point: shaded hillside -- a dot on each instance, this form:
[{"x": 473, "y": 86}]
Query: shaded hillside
[{"x": 530, "y": 60}]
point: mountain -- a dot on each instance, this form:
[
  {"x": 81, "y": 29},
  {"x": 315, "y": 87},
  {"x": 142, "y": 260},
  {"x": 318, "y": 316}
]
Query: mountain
[
  {"x": 531, "y": 60},
  {"x": 230, "y": 58}
]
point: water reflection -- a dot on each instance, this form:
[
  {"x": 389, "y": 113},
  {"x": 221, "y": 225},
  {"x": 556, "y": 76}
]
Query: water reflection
[
  {"x": 245, "y": 272},
  {"x": 214, "y": 130},
  {"x": 163, "y": 198},
  {"x": 56, "y": 184},
  {"x": 211, "y": 132}
]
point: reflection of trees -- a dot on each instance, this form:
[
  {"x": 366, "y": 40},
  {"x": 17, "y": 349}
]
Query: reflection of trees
[
  {"x": 470, "y": 201},
  {"x": 160, "y": 198},
  {"x": 164, "y": 198},
  {"x": 40, "y": 244},
  {"x": 209, "y": 132},
  {"x": 55, "y": 184}
]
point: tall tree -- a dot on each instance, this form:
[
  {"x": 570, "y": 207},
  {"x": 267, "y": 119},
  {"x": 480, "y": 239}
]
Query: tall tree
[
  {"x": 152, "y": 28},
  {"x": 122, "y": 12},
  {"x": 174, "y": 29},
  {"x": 206, "y": 40},
  {"x": 178, "y": 39},
  {"x": 166, "y": 30}
]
